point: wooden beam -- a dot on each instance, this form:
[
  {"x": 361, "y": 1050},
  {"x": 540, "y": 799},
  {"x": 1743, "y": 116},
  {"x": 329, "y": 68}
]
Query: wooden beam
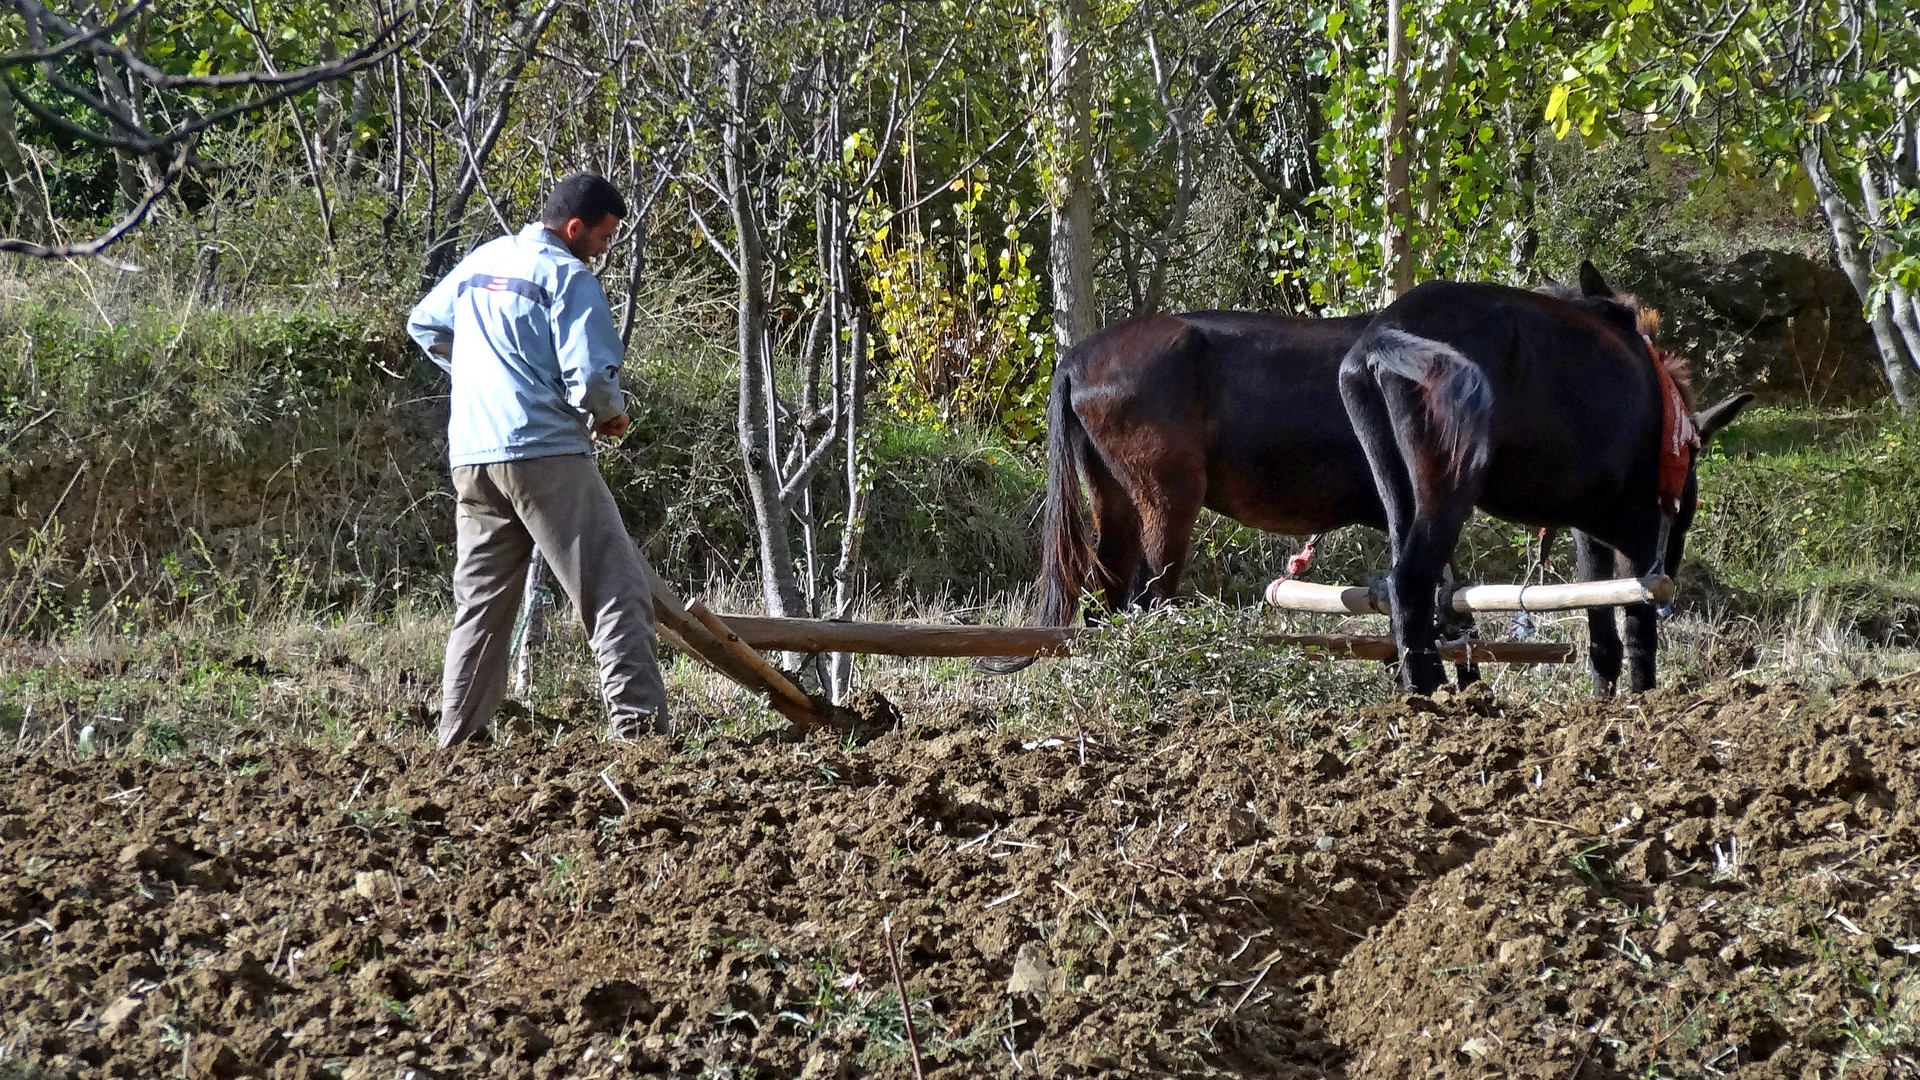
[
  {"x": 901, "y": 639},
  {"x": 1352, "y": 600},
  {"x": 923, "y": 639},
  {"x": 1371, "y": 647}
]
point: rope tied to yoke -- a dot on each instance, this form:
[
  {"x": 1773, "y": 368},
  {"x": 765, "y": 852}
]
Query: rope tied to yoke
[{"x": 1523, "y": 627}]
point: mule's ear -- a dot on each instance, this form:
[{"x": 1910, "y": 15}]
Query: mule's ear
[
  {"x": 1548, "y": 281},
  {"x": 1591, "y": 283},
  {"x": 1709, "y": 421}
]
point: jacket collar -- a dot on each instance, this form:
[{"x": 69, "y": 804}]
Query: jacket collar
[{"x": 536, "y": 233}]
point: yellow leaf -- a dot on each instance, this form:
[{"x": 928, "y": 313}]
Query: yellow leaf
[{"x": 1557, "y": 104}]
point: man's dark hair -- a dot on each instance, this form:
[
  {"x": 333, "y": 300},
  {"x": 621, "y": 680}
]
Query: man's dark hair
[{"x": 582, "y": 195}]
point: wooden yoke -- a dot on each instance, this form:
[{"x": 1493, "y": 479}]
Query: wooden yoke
[
  {"x": 1353, "y": 600},
  {"x": 700, "y": 632}
]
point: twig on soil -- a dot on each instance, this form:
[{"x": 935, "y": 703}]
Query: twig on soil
[
  {"x": 626, "y": 807},
  {"x": 1248, "y": 941},
  {"x": 1683, "y": 1020},
  {"x": 1267, "y": 965},
  {"x": 906, "y": 1003},
  {"x": 348, "y": 805},
  {"x": 1013, "y": 1054},
  {"x": 28, "y": 925}
]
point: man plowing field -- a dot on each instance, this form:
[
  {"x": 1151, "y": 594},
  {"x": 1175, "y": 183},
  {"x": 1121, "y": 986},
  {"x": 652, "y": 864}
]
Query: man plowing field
[{"x": 524, "y": 329}]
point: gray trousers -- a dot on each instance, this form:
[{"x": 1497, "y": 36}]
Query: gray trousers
[{"x": 562, "y": 505}]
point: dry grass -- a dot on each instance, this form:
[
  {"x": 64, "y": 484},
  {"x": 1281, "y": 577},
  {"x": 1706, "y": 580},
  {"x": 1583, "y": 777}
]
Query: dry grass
[{"x": 209, "y": 686}]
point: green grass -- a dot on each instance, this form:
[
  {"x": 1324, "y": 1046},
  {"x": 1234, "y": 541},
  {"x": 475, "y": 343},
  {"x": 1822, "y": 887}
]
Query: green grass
[
  {"x": 190, "y": 689},
  {"x": 1803, "y": 508}
]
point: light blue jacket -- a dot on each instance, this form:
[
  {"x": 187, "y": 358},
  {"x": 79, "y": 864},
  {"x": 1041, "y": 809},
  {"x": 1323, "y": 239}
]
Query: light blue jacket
[{"x": 524, "y": 329}]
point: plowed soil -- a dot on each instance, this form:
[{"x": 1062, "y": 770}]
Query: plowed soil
[{"x": 1685, "y": 884}]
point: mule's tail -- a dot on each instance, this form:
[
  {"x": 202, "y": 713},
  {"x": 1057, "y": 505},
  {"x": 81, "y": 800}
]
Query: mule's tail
[
  {"x": 1065, "y": 550},
  {"x": 1454, "y": 395}
]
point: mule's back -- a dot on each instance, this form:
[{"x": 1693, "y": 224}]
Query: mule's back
[
  {"x": 1248, "y": 405},
  {"x": 1575, "y": 402}
]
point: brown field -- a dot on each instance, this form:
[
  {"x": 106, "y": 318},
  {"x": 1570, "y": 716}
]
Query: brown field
[{"x": 1705, "y": 883}]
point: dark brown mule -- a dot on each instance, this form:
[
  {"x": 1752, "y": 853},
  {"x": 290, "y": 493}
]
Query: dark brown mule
[
  {"x": 1544, "y": 408},
  {"x": 1162, "y": 415}
]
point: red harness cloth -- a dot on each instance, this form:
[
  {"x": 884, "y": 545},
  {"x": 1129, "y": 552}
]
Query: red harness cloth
[
  {"x": 1678, "y": 438},
  {"x": 1299, "y": 563}
]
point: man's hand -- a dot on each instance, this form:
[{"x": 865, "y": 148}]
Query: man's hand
[{"x": 612, "y": 429}]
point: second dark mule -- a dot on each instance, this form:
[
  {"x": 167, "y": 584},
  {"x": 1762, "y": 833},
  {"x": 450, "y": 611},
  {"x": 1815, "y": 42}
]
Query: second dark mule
[{"x": 1552, "y": 409}]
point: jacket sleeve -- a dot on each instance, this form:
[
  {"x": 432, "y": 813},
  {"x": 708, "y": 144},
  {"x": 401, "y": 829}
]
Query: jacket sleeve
[
  {"x": 587, "y": 347},
  {"x": 431, "y": 323}
]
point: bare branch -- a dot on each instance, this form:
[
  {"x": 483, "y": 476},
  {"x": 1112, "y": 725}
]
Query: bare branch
[
  {"x": 133, "y": 218},
  {"x": 95, "y": 41}
]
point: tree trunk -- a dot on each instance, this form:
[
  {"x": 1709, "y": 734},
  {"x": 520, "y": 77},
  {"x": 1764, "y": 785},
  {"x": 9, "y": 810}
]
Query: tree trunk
[
  {"x": 1849, "y": 247},
  {"x": 1522, "y": 127},
  {"x": 535, "y": 605},
  {"x": 1186, "y": 182},
  {"x": 126, "y": 164},
  {"x": 853, "y": 394},
  {"x": 755, "y": 420},
  {"x": 359, "y": 110},
  {"x": 1899, "y": 301},
  {"x": 30, "y": 217},
  {"x": 1071, "y": 196},
  {"x": 312, "y": 146},
  {"x": 1398, "y": 261},
  {"x": 1435, "y": 135}
]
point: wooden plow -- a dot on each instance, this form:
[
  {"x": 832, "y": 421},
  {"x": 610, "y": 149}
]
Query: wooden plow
[
  {"x": 1291, "y": 595},
  {"x": 732, "y": 644}
]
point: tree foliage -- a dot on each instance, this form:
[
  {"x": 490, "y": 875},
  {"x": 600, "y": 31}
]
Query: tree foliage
[
  {"x": 868, "y": 196},
  {"x": 1818, "y": 96}
]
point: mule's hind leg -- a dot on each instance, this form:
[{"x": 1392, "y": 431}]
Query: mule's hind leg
[
  {"x": 1366, "y": 405},
  {"x": 1440, "y": 502},
  {"x": 1366, "y": 400},
  {"x": 1117, "y": 554},
  {"x": 1379, "y": 410},
  {"x": 1413, "y": 587},
  {"x": 1595, "y": 563},
  {"x": 1169, "y": 503}
]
